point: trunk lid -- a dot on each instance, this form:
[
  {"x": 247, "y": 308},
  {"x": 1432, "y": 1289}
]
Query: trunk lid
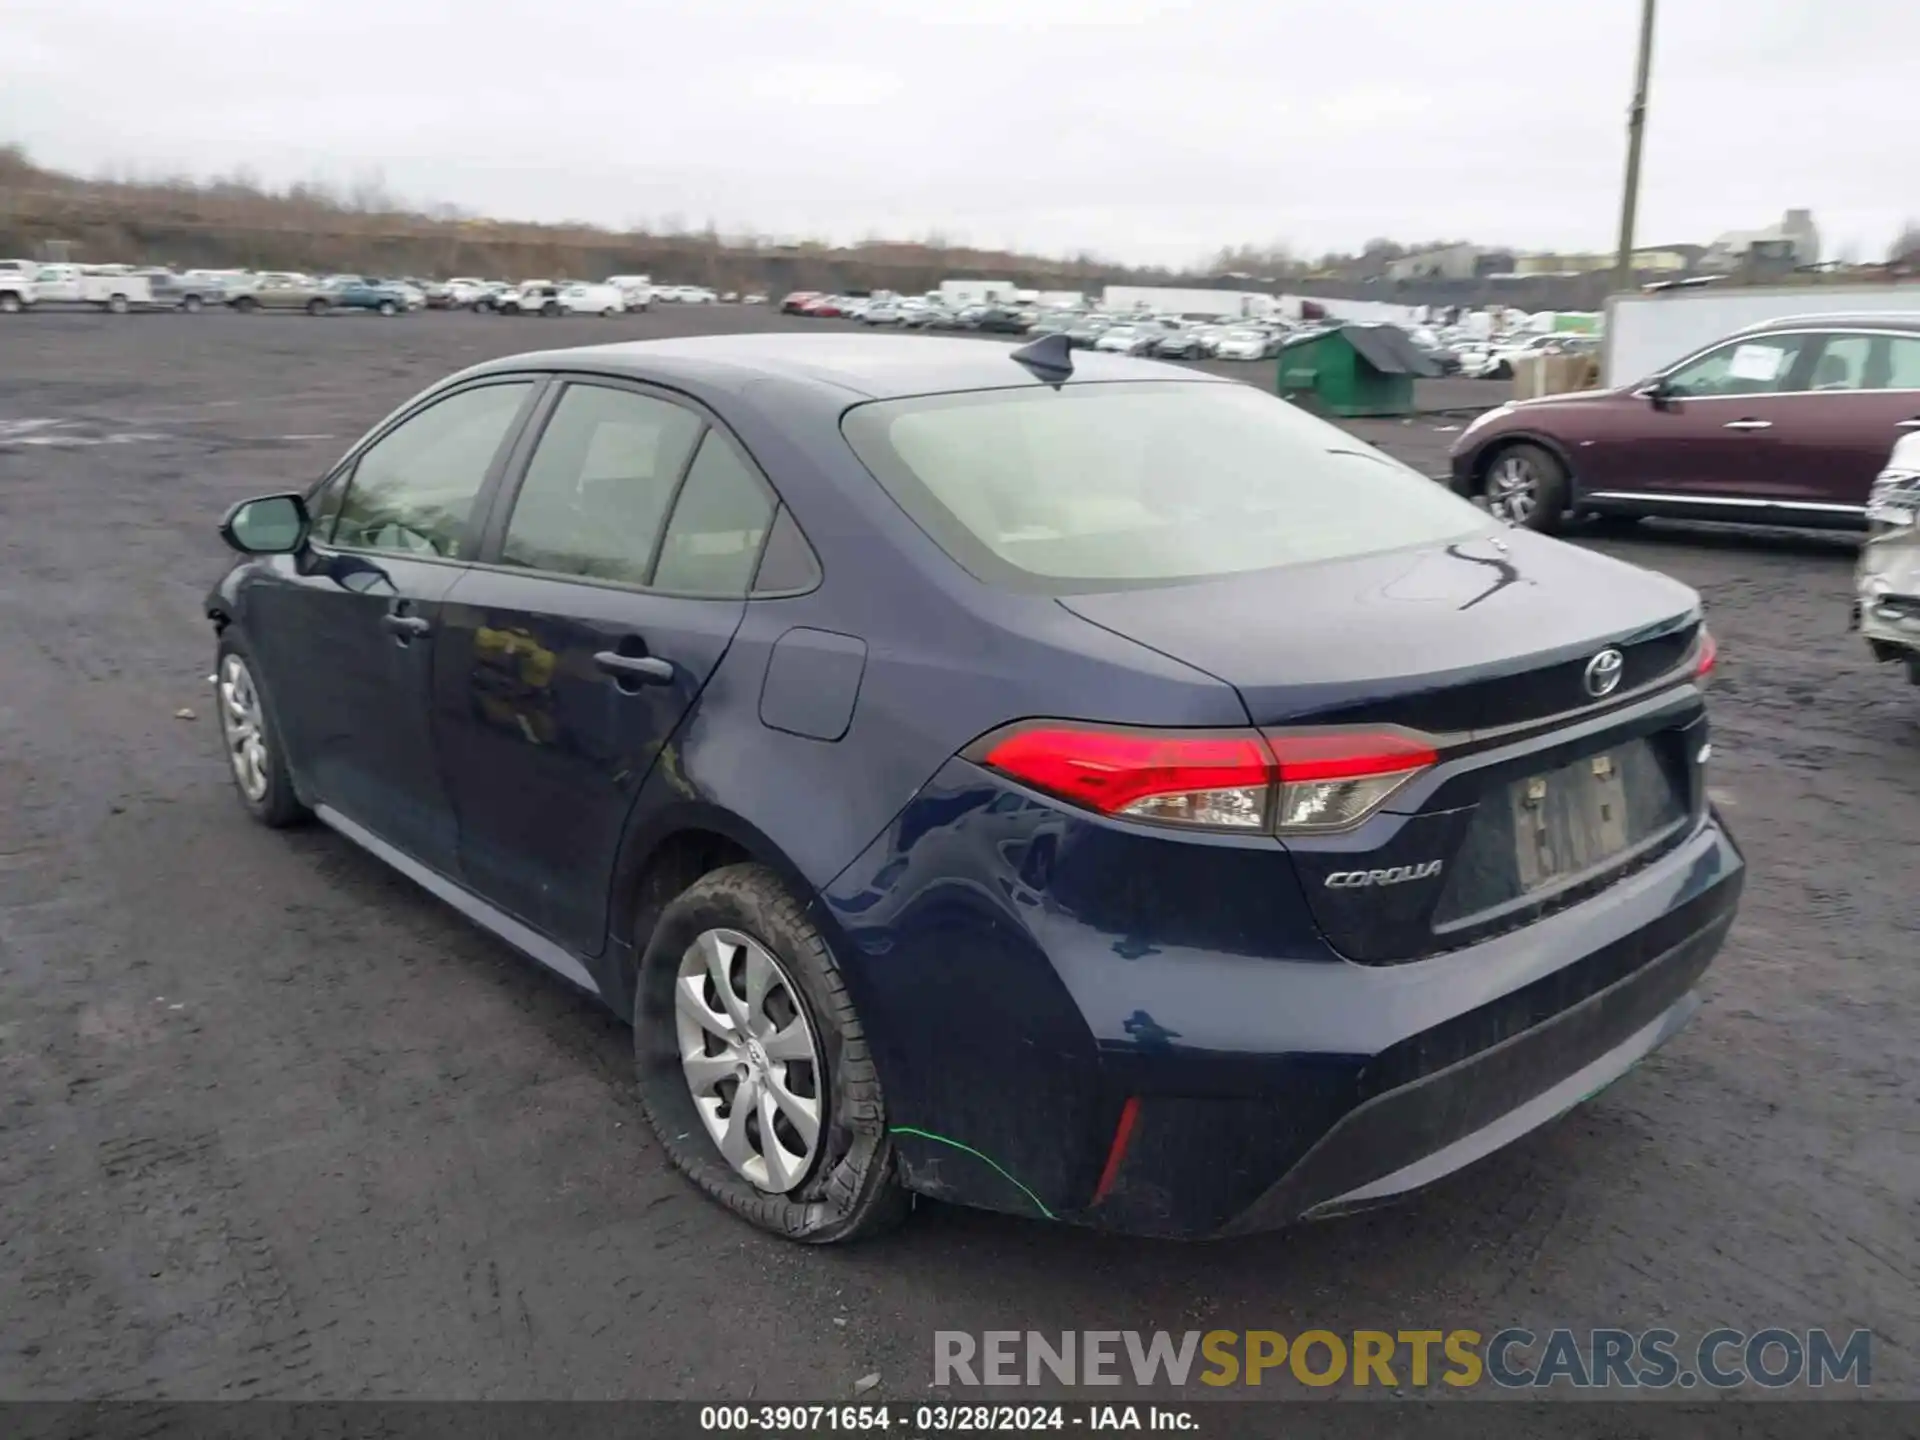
[
  {"x": 1467, "y": 636},
  {"x": 1543, "y": 793}
]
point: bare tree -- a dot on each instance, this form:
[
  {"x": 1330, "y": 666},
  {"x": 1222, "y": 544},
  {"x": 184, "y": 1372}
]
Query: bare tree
[{"x": 1906, "y": 249}]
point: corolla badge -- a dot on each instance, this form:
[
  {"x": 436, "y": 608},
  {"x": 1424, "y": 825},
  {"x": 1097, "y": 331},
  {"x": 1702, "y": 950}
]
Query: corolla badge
[
  {"x": 1392, "y": 875},
  {"x": 1603, "y": 673}
]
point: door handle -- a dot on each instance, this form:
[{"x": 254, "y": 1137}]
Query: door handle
[
  {"x": 1748, "y": 425},
  {"x": 405, "y": 627},
  {"x": 635, "y": 669}
]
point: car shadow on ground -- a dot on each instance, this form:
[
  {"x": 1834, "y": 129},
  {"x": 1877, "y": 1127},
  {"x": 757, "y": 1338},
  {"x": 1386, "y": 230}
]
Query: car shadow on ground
[{"x": 1700, "y": 535}]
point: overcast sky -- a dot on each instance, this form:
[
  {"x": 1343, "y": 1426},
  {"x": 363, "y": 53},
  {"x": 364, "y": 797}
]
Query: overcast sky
[{"x": 1143, "y": 130}]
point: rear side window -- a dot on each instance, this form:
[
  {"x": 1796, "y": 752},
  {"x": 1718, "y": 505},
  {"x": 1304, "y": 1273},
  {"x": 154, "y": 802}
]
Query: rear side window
[
  {"x": 599, "y": 485},
  {"x": 719, "y": 524},
  {"x": 1093, "y": 487},
  {"x": 1903, "y": 363}
]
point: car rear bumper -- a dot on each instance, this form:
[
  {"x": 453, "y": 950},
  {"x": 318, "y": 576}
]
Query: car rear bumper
[{"x": 1154, "y": 1053}]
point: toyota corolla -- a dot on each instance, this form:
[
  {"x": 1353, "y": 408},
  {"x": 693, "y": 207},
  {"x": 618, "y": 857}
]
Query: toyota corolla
[{"x": 1066, "y": 785}]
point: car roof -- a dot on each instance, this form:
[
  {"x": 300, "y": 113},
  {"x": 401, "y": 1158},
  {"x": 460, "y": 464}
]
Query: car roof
[
  {"x": 1879, "y": 320},
  {"x": 877, "y": 367}
]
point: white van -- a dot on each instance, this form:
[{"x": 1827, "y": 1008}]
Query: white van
[{"x": 581, "y": 299}]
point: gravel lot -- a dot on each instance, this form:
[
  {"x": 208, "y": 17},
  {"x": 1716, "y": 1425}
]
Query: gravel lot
[{"x": 277, "y": 1124}]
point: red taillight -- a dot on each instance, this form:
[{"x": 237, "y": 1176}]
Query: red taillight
[
  {"x": 1706, "y": 656},
  {"x": 1295, "y": 781},
  {"x": 1216, "y": 781}
]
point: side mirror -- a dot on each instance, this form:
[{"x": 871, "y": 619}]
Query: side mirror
[
  {"x": 268, "y": 525},
  {"x": 1655, "y": 392}
]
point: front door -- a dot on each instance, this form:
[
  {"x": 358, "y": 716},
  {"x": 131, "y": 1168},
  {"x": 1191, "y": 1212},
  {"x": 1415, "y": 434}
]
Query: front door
[
  {"x": 616, "y": 576},
  {"x": 346, "y": 631},
  {"x": 1711, "y": 435}
]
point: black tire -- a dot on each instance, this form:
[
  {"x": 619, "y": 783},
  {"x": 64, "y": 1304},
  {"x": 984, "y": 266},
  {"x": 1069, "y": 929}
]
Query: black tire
[
  {"x": 387, "y": 307},
  {"x": 191, "y": 304},
  {"x": 279, "y": 807},
  {"x": 1551, "y": 488},
  {"x": 851, "y": 1191},
  {"x": 317, "y": 306},
  {"x": 549, "y": 310},
  {"x": 10, "y": 304},
  {"x": 117, "y": 305},
  {"x": 246, "y": 304}
]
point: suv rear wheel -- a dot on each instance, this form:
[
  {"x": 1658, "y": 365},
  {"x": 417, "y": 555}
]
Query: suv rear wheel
[
  {"x": 1525, "y": 485},
  {"x": 753, "y": 1070}
]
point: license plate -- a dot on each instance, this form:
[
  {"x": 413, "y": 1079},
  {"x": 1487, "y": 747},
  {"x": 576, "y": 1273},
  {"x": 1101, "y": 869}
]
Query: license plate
[{"x": 1569, "y": 820}]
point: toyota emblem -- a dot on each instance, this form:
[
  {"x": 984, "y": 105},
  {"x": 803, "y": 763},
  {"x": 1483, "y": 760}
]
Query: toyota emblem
[{"x": 1603, "y": 673}]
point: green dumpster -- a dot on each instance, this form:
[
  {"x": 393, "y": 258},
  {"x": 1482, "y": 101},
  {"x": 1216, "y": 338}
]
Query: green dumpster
[{"x": 1353, "y": 369}]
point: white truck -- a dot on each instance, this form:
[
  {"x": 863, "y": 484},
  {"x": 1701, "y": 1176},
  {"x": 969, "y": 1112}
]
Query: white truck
[
  {"x": 111, "y": 289},
  {"x": 1649, "y": 330},
  {"x": 17, "y": 289}
]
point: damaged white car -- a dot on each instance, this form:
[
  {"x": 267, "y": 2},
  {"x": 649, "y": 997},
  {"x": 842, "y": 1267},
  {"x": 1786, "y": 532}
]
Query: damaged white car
[{"x": 1886, "y": 605}]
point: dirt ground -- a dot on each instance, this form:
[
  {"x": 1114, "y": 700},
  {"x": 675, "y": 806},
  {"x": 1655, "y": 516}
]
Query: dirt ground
[{"x": 275, "y": 1123}]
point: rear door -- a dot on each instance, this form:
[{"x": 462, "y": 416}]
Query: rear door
[
  {"x": 616, "y": 570},
  {"x": 1862, "y": 394}
]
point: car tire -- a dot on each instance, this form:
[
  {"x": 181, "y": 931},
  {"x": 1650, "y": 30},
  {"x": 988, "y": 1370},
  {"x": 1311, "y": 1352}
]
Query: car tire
[
  {"x": 246, "y": 304},
  {"x": 1525, "y": 485},
  {"x": 191, "y": 304},
  {"x": 317, "y": 306},
  {"x": 10, "y": 304},
  {"x": 256, "y": 761},
  {"x": 549, "y": 310},
  {"x": 387, "y": 307},
  {"x": 846, "y": 1188},
  {"x": 117, "y": 305}
]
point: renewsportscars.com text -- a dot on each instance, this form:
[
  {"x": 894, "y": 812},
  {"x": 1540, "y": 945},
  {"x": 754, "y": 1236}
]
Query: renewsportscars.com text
[{"x": 1511, "y": 1358}]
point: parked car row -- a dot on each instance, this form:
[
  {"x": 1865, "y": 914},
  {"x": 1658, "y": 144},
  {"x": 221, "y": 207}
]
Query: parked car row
[
  {"x": 1167, "y": 337},
  {"x": 29, "y": 284}
]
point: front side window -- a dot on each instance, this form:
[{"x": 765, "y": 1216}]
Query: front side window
[
  {"x": 1108, "y": 486},
  {"x": 414, "y": 488},
  {"x": 1740, "y": 367},
  {"x": 599, "y": 484}
]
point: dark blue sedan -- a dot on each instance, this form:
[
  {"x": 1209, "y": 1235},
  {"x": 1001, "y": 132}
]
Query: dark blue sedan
[{"x": 1063, "y": 784}]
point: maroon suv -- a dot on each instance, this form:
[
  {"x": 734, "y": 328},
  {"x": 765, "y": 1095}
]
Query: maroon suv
[{"x": 1784, "y": 423}]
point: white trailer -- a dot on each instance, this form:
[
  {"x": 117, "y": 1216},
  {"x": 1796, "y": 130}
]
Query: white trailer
[
  {"x": 1188, "y": 300},
  {"x": 958, "y": 294},
  {"x": 96, "y": 289},
  {"x": 1646, "y": 332}
]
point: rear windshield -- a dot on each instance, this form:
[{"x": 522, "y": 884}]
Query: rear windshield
[{"x": 1101, "y": 487}]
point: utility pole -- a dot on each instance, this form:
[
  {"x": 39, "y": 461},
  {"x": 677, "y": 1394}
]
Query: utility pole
[{"x": 1636, "y": 127}]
